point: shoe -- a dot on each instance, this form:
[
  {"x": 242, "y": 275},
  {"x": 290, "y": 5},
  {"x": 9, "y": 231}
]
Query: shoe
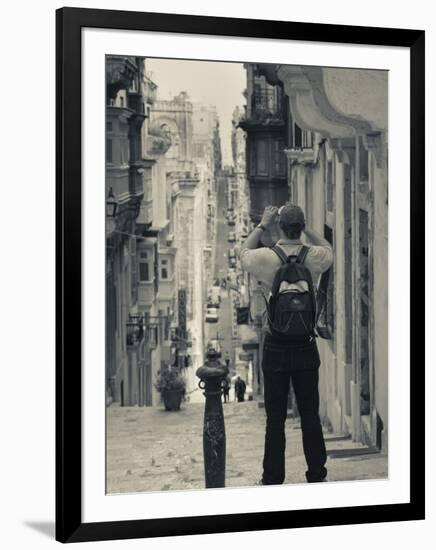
[
  {"x": 317, "y": 477},
  {"x": 317, "y": 480}
]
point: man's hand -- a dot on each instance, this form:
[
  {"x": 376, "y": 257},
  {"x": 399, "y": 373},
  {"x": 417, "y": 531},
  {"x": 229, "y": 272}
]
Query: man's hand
[
  {"x": 268, "y": 220},
  {"x": 269, "y": 217}
]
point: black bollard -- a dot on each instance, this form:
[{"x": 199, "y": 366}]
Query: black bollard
[{"x": 211, "y": 377}]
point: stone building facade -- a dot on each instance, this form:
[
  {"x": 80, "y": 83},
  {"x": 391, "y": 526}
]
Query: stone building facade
[
  {"x": 125, "y": 334},
  {"x": 336, "y": 149},
  {"x": 157, "y": 231}
]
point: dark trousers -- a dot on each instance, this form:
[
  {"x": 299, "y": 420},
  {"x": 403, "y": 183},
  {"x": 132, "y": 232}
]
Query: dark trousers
[{"x": 276, "y": 388}]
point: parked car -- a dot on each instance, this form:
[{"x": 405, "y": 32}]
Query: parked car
[
  {"x": 231, "y": 221},
  {"x": 214, "y": 297},
  {"x": 232, "y": 260},
  {"x": 232, "y": 237},
  {"x": 211, "y": 315}
]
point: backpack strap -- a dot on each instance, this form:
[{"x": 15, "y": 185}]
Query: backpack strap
[
  {"x": 280, "y": 253},
  {"x": 302, "y": 254}
]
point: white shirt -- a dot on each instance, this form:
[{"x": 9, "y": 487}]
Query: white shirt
[{"x": 262, "y": 263}]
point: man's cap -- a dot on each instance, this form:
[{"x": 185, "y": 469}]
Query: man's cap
[{"x": 291, "y": 214}]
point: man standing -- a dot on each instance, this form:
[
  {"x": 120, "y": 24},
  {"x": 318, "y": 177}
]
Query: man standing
[
  {"x": 226, "y": 389},
  {"x": 283, "y": 360},
  {"x": 240, "y": 388}
]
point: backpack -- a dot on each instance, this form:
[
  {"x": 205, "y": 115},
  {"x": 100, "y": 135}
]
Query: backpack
[{"x": 291, "y": 308}]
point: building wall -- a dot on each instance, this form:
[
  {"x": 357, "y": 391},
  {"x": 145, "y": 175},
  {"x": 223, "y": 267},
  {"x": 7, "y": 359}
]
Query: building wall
[
  {"x": 337, "y": 172},
  {"x": 341, "y": 373},
  {"x": 124, "y": 185}
]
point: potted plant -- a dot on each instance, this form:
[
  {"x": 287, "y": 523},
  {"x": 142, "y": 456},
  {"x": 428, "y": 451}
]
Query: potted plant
[{"x": 172, "y": 387}]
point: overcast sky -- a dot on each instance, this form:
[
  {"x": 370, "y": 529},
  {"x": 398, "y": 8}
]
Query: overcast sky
[{"x": 209, "y": 82}]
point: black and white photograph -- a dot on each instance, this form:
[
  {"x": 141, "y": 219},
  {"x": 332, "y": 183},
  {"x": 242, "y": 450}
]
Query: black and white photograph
[
  {"x": 246, "y": 274},
  {"x": 217, "y": 281}
]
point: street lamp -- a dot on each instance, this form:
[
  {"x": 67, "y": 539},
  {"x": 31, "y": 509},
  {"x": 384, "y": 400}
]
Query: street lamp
[{"x": 111, "y": 204}]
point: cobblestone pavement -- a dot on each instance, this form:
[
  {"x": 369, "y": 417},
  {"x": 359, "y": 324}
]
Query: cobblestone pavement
[{"x": 150, "y": 449}]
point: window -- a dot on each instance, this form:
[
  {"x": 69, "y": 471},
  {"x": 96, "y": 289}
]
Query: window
[
  {"x": 329, "y": 186},
  {"x": 144, "y": 267},
  {"x": 122, "y": 101},
  {"x": 164, "y": 270},
  {"x": 133, "y": 272},
  {"x": 298, "y": 136},
  {"x": 153, "y": 337},
  {"x": 363, "y": 162},
  {"x": 108, "y": 150},
  {"x": 261, "y": 158}
]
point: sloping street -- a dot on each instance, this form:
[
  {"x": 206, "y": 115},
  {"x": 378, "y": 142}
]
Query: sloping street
[
  {"x": 222, "y": 330},
  {"x": 150, "y": 449}
]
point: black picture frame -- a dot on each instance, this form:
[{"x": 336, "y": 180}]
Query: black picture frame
[{"x": 69, "y": 525}]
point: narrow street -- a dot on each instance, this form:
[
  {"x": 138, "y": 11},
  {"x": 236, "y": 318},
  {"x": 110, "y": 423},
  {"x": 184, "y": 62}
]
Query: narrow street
[
  {"x": 149, "y": 449},
  {"x": 223, "y": 328}
]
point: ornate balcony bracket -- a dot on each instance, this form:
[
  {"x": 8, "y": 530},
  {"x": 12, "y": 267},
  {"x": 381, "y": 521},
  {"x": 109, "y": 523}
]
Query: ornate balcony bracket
[{"x": 158, "y": 141}]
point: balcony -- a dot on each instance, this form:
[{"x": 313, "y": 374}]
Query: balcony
[
  {"x": 120, "y": 71},
  {"x": 146, "y": 293},
  {"x": 265, "y": 108},
  {"x": 136, "y": 103},
  {"x": 166, "y": 289},
  {"x": 136, "y": 179},
  {"x": 266, "y": 103}
]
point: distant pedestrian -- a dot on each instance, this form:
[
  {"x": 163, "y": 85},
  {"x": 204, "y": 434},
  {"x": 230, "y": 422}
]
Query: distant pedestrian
[
  {"x": 226, "y": 389},
  {"x": 289, "y": 273},
  {"x": 240, "y": 388},
  {"x": 227, "y": 359}
]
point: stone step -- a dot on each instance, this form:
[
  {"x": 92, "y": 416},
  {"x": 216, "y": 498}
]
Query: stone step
[{"x": 352, "y": 452}]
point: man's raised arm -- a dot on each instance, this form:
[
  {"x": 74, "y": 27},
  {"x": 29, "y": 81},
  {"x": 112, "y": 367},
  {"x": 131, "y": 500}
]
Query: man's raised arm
[{"x": 268, "y": 218}]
